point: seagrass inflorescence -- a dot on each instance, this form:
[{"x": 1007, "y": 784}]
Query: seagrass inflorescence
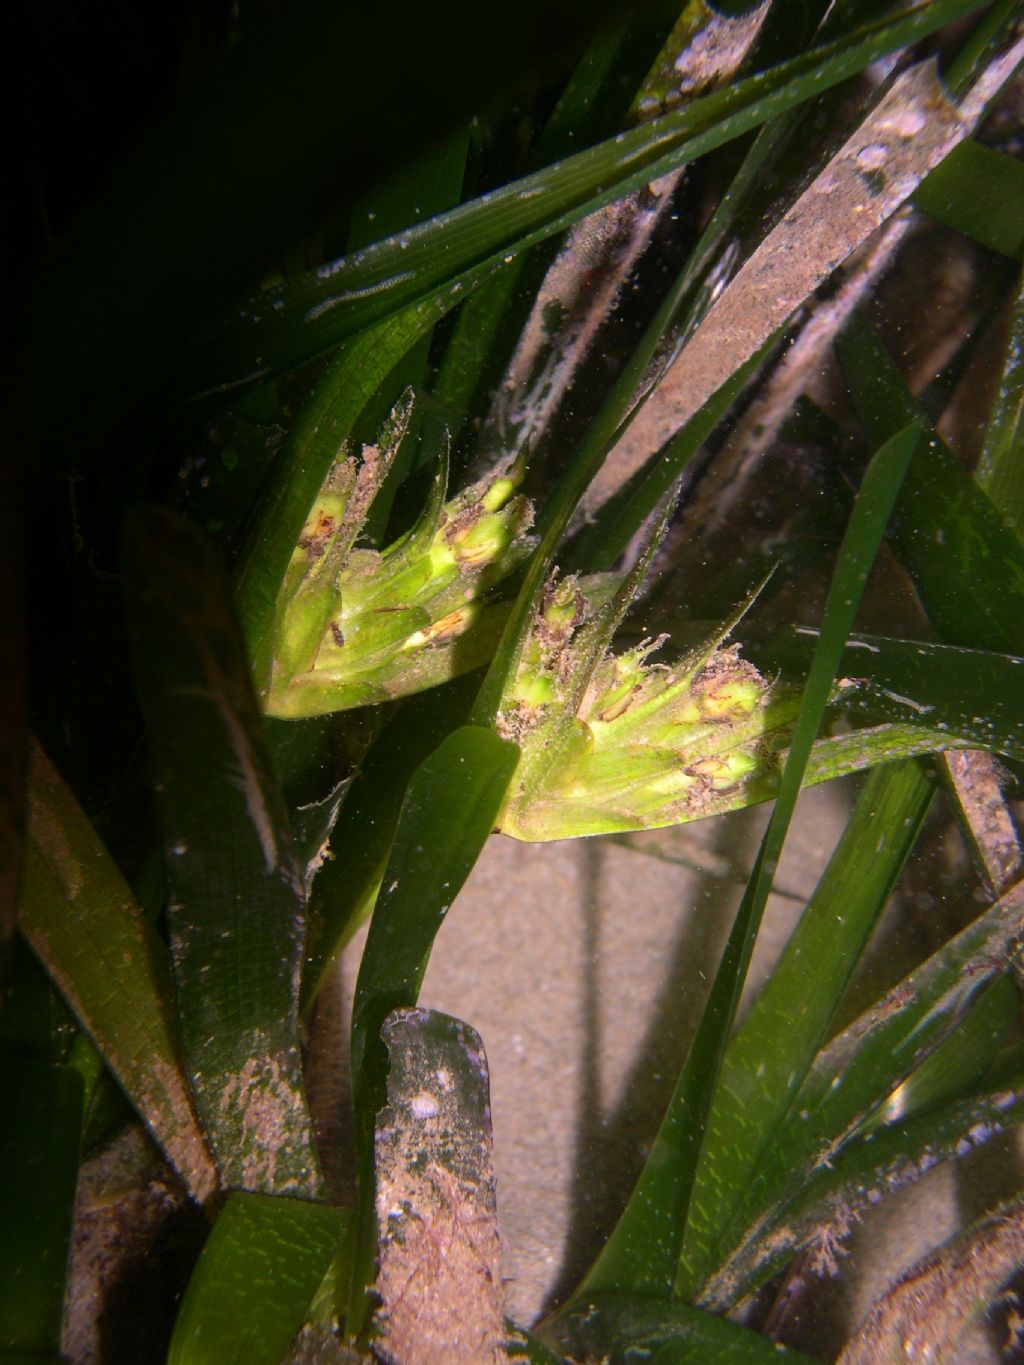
[
  {"x": 354, "y": 625},
  {"x": 614, "y": 742}
]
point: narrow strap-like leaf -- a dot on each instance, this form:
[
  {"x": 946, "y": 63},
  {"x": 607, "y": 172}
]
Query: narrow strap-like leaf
[
  {"x": 624, "y": 1327},
  {"x": 825, "y": 1203},
  {"x": 82, "y": 921},
  {"x": 1000, "y": 469},
  {"x": 346, "y": 886},
  {"x": 644, "y": 1249},
  {"x": 255, "y": 1280},
  {"x": 39, "y": 1153},
  {"x": 853, "y": 1075},
  {"x": 972, "y": 694},
  {"x": 771, "y": 1053},
  {"x": 974, "y": 590},
  {"x": 979, "y": 192},
  {"x": 236, "y": 911},
  {"x": 278, "y": 328},
  {"x": 448, "y": 812}
]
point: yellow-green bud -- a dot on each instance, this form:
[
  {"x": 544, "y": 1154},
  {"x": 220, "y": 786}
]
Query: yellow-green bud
[
  {"x": 442, "y": 558},
  {"x": 498, "y": 494},
  {"x": 327, "y": 511},
  {"x": 445, "y": 629},
  {"x": 646, "y": 745},
  {"x": 564, "y": 609},
  {"x": 731, "y": 699},
  {"x": 345, "y": 632},
  {"x": 534, "y": 689},
  {"x": 723, "y": 770},
  {"x": 686, "y": 712},
  {"x": 478, "y": 544}
]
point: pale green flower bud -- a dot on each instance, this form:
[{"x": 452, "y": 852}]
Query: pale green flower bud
[
  {"x": 357, "y": 625},
  {"x": 498, "y": 494},
  {"x": 535, "y": 690},
  {"x": 482, "y": 542},
  {"x": 448, "y": 628},
  {"x": 731, "y": 699},
  {"x": 632, "y": 744}
]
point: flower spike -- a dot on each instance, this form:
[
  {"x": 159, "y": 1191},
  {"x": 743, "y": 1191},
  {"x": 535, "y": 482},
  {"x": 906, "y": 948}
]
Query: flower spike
[{"x": 356, "y": 626}]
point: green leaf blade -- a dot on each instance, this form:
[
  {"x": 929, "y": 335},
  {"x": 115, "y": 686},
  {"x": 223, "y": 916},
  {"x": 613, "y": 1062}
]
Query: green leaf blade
[
  {"x": 1000, "y": 469},
  {"x": 643, "y": 1252},
  {"x": 826, "y": 1201},
  {"x": 82, "y": 921},
  {"x": 346, "y": 887},
  {"x": 39, "y": 1154},
  {"x": 277, "y": 329},
  {"x": 255, "y": 1281},
  {"x": 237, "y": 902},
  {"x": 448, "y": 812},
  {"x": 621, "y": 1327},
  {"x": 973, "y": 590},
  {"x": 857, "y": 1071},
  {"x": 980, "y": 192},
  {"x": 773, "y": 1050}
]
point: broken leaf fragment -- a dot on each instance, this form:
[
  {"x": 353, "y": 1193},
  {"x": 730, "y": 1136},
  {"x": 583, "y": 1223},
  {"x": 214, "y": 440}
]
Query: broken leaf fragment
[
  {"x": 356, "y": 626},
  {"x": 439, "y": 1284}
]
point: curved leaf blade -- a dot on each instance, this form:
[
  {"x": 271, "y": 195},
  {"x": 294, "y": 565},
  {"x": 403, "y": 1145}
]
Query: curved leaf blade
[
  {"x": 283, "y": 326},
  {"x": 105, "y": 957},
  {"x": 970, "y": 695},
  {"x": 254, "y": 1283},
  {"x": 345, "y": 888},
  {"x": 826, "y": 1203},
  {"x": 974, "y": 590},
  {"x": 447, "y": 814},
  {"x": 622, "y": 1327},
  {"x": 643, "y": 1251},
  {"x": 1000, "y": 470},
  {"x": 776, "y": 1044},
  {"x": 857, "y": 1071}
]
